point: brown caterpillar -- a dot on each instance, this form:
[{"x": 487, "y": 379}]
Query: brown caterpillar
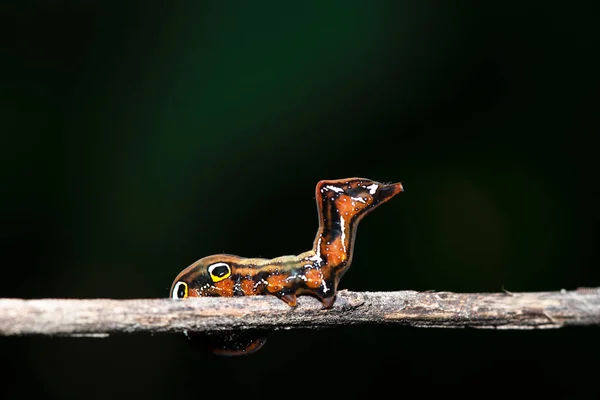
[{"x": 341, "y": 205}]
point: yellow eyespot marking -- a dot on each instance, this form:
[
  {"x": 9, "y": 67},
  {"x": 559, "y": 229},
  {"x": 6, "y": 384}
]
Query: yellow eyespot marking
[
  {"x": 219, "y": 271},
  {"x": 180, "y": 290}
]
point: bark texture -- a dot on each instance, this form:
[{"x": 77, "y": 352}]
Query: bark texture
[{"x": 102, "y": 317}]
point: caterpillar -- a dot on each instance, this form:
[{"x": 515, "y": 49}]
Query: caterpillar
[{"x": 341, "y": 204}]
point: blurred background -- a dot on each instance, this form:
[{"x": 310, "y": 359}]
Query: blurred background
[{"x": 137, "y": 138}]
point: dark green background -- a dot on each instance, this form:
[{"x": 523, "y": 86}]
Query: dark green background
[{"x": 137, "y": 138}]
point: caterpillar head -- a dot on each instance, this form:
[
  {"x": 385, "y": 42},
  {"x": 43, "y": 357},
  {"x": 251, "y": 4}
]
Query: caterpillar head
[{"x": 209, "y": 276}]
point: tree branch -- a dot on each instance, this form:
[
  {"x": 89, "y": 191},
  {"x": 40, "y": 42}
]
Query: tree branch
[{"x": 101, "y": 317}]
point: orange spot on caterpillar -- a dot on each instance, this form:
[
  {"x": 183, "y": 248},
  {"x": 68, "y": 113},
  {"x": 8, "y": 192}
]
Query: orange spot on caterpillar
[
  {"x": 247, "y": 286},
  {"x": 337, "y": 250},
  {"x": 275, "y": 283},
  {"x": 225, "y": 287},
  {"x": 348, "y": 206},
  {"x": 314, "y": 278}
]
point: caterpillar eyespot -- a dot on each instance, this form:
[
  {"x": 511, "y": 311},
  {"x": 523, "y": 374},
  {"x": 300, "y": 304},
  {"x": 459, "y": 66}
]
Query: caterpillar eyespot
[
  {"x": 180, "y": 290},
  {"x": 341, "y": 205},
  {"x": 219, "y": 271}
]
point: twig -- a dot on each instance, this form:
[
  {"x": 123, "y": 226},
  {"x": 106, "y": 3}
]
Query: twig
[{"x": 101, "y": 317}]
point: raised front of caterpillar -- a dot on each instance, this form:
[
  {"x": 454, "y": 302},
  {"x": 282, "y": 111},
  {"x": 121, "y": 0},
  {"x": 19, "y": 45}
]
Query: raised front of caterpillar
[{"x": 341, "y": 204}]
